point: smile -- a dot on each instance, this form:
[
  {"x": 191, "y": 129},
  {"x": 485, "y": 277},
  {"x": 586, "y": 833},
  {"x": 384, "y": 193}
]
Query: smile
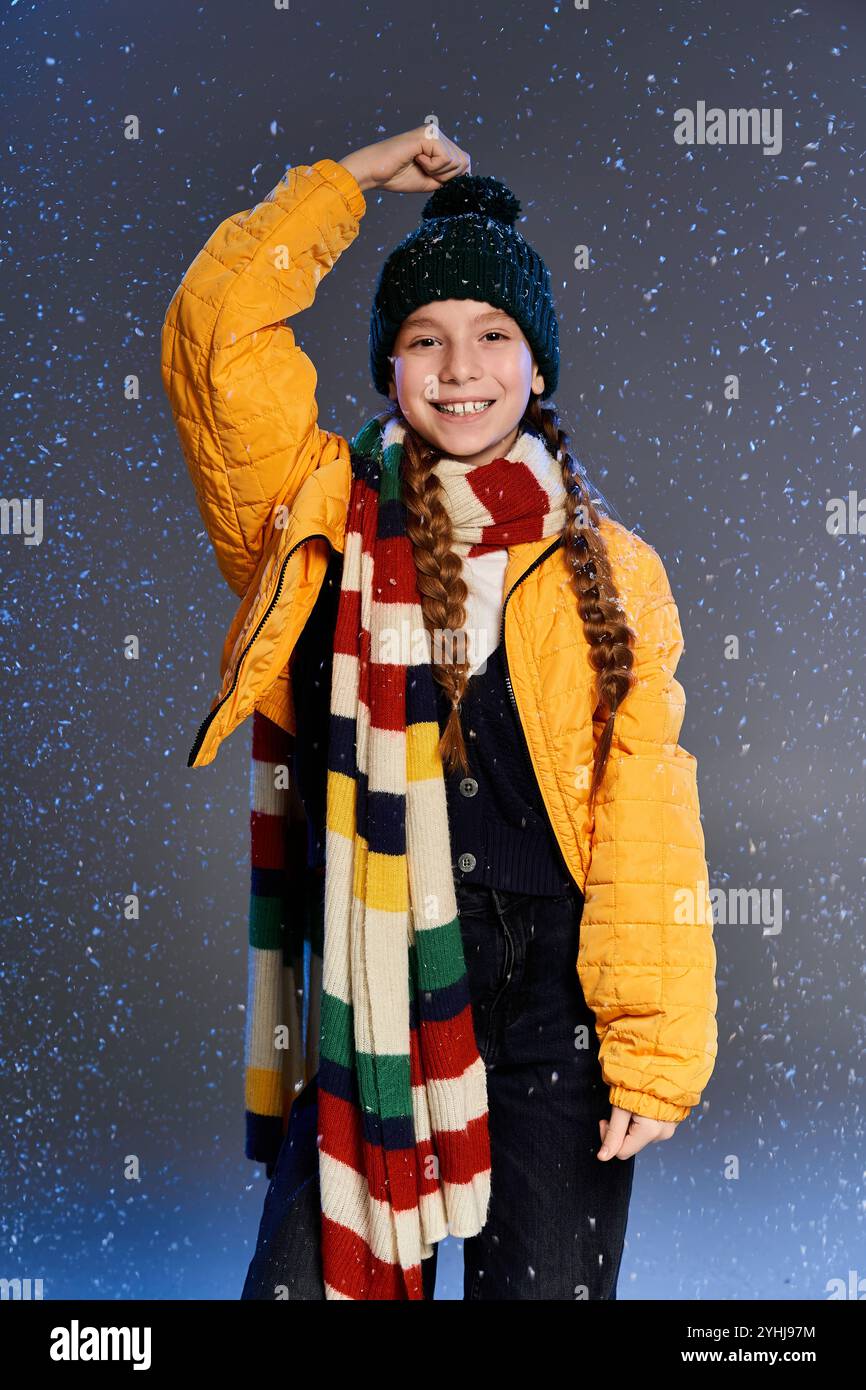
[{"x": 460, "y": 409}]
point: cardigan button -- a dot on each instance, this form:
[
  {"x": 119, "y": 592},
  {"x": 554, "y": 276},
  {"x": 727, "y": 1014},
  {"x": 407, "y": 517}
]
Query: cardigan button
[
  {"x": 469, "y": 786},
  {"x": 466, "y": 863}
]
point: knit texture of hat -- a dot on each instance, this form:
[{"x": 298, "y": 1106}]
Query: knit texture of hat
[{"x": 467, "y": 247}]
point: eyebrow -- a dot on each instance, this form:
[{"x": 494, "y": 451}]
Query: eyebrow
[{"x": 426, "y": 322}]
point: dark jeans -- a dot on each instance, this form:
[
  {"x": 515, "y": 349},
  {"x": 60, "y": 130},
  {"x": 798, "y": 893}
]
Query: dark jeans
[{"x": 557, "y": 1219}]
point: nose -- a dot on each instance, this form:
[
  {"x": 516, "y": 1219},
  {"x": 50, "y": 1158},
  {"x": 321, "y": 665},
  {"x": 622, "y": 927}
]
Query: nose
[{"x": 459, "y": 365}]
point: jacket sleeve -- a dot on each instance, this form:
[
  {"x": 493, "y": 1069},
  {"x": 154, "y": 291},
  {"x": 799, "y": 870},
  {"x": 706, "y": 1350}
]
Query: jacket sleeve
[
  {"x": 647, "y": 958},
  {"x": 241, "y": 391}
]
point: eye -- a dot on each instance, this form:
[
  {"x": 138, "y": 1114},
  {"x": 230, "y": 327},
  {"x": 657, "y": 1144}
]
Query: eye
[
  {"x": 419, "y": 341},
  {"x": 495, "y": 333}
]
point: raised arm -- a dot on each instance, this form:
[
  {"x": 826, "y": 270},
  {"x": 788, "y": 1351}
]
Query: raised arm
[
  {"x": 242, "y": 392},
  {"x": 647, "y": 958}
]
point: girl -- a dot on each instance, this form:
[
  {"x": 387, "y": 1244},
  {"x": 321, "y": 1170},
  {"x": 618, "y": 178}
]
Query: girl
[{"x": 468, "y": 796}]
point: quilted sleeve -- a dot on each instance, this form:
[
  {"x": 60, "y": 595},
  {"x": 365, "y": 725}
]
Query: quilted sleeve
[
  {"x": 241, "y": 391},
  {"x": 647, "y": 959}
]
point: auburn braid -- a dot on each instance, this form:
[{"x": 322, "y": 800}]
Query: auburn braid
[
  {"x": 444, "y": 592},
  {"x": 611, "y": 641}
]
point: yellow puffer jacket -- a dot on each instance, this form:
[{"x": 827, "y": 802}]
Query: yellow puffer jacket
[{"x": 273, "y": 489}]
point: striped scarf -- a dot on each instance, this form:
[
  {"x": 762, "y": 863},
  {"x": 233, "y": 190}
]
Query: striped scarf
[{"x": 404, "y": 1153}]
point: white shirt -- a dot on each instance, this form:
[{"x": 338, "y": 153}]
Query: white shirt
[{"x": 485, "y": 580}]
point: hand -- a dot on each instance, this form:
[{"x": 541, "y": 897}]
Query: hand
[
  {"x": 621, "y": 1140},
  {"x": 417, "y": 161}
]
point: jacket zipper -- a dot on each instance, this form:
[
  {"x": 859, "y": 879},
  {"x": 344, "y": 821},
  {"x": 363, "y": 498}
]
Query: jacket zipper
[
  {"x": 543, "y": 556},
  {"x": 206, "y": 722},
  {"x": 550, "y": 549}
]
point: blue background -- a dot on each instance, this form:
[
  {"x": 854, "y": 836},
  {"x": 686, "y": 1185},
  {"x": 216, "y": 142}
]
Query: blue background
[{"x": 126, "y": 1038}]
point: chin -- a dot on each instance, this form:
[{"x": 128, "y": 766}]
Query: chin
[{"x": 444, "y": 440}]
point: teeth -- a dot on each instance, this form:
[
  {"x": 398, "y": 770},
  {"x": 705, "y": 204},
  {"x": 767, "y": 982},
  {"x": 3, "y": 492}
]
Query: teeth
[{"x": 465, "y": 408}]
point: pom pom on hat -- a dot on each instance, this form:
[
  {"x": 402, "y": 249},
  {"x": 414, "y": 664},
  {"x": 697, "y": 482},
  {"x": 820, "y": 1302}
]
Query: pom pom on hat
[{"x": 478, "y": 193}]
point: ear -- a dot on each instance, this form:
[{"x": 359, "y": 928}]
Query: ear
[{"x": 537, "y": 379}]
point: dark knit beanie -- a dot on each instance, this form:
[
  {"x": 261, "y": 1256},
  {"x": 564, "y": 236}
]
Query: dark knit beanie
[{"x": 467, "y": 247}]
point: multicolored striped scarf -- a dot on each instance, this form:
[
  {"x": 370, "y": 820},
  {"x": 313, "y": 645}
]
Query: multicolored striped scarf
[{"x": 404, "y": 1154}]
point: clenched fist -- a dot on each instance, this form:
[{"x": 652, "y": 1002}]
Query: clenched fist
[{"x": 417, "y": 161}]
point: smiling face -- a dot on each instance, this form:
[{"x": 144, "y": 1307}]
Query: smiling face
[{"x": 463, "y": 353}]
